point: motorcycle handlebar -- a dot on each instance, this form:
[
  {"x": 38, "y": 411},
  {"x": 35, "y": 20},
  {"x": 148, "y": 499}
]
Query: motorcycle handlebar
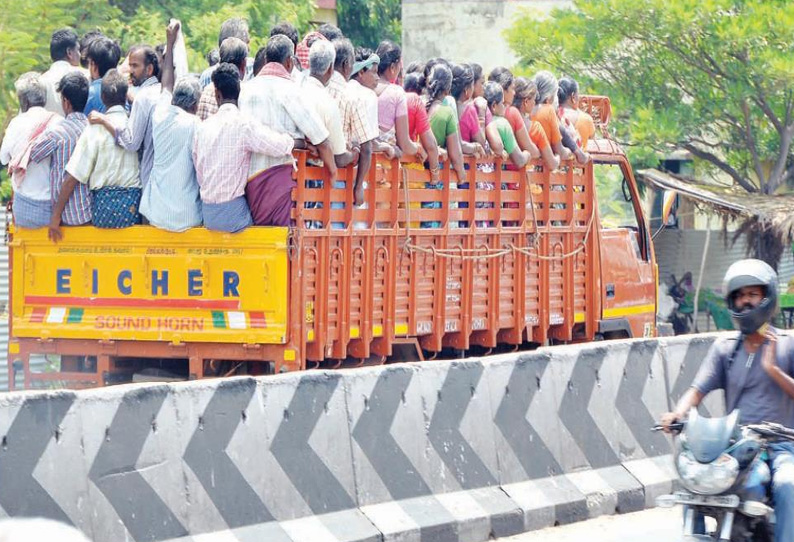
[{"x": 676, "y": 427}]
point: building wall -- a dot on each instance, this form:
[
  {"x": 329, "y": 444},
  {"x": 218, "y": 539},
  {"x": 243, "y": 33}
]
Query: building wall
[
  {"x": 325, "y": 16},
  {"x": 465, "y": 30}
]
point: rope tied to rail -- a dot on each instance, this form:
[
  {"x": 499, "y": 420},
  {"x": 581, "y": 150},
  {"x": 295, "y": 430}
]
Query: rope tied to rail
[{"x": 486, "y": 253}]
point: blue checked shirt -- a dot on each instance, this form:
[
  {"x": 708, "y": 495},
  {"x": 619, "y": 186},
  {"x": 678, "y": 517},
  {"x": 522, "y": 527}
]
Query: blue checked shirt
[{"x": 170, "y": 200}]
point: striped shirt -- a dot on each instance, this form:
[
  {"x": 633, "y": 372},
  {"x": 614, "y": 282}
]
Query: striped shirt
[
  {"x": 170, "y": 200},
  {"x": 137, "y": 134},
  {"x": 58, "y": 142},
  {"x": 222, "y": 151},
  {"x": 278, "y": 102}
]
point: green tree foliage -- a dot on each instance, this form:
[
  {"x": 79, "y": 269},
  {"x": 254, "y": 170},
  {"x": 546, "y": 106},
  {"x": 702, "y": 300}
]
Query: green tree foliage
[
  {"x": 27, "y": 25},
  {"x": 368, "y": 22},
  {"x": 25, "y": 35},
  {"x": 714, "y": 77}
]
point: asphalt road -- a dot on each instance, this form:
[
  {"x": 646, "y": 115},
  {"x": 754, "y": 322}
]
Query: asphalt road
[{"x": 657, "y": 525}]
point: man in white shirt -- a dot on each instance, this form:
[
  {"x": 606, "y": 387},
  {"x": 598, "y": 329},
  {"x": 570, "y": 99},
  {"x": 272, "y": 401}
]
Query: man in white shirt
[
  {"x": 321, "y": 67},
  {"x": 274, "y": 99},
  {"x": 30, "y": 179},
  {"x": 65, "y": 54}
]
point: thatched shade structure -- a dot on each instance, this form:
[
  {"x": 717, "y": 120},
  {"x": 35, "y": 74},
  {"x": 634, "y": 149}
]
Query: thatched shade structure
[{"x": 767, "y": 221}]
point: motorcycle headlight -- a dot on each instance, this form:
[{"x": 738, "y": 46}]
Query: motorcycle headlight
[{"x": 707, "y": 478}]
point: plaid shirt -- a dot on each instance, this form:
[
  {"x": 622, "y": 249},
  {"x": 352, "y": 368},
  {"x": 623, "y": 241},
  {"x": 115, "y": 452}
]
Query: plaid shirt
[
  {"x": 355, "y": 122},
  {"x": 275, "y": 100},
  {"x": 222, "y": 152},
  {"x": 207, "y": 106},
  {"x": 58, "y": 142}
]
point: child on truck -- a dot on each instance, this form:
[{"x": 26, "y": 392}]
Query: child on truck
[{"x": 110, "y": 172}]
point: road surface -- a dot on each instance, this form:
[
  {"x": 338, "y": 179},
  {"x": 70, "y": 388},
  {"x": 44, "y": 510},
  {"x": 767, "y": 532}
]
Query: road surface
[{"x": 657, "y": 525}]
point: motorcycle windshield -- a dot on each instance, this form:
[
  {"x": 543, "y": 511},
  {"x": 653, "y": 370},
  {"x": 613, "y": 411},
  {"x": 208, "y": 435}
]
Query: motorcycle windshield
[{"x": 707, "y": 438}]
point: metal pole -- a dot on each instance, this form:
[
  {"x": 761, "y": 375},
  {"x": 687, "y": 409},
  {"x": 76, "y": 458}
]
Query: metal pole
[{"x": 702, "y": 267}]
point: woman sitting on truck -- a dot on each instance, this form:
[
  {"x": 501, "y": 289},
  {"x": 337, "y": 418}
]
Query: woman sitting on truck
[
  {"x": 499, "y": 132},
  {"x": 444, "y": 122},
  {"x": 472, "y": 133},
  {"x": 419, "y": 129},
  {"x": 568, "y": 96},
  {"x": 562, "y": 143},
  {"x": 516, "y": 120},
  {"x": 392, "y": 101},
  {"x": 418, "y": 122},
  {"x": 521, "y": 110},
  {"x": 501, "y": 137}
]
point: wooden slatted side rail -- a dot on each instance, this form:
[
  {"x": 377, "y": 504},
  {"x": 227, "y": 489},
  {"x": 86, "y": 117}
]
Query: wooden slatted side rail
[{"x": 506, "y": 256}]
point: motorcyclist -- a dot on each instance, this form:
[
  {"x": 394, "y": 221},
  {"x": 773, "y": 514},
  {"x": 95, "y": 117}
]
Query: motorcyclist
[{"x": 756, "y": 371}]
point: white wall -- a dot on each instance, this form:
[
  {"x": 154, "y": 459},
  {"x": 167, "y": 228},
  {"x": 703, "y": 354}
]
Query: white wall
[{"x": 465, "y": 30}]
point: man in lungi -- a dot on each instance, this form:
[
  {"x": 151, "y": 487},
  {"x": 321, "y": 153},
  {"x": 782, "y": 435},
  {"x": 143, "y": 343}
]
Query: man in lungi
[{"x": 273, "y": 98}]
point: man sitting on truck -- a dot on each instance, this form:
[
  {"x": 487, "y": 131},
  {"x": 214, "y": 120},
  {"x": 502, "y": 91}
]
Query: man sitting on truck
[
  {"x": 30, "y": 179},
  {"x": 222, "y": 150},
  {"x": 58, "y": 143},
  {"x": 273, "y": 98},
  {"x": 109, "y": 171}
]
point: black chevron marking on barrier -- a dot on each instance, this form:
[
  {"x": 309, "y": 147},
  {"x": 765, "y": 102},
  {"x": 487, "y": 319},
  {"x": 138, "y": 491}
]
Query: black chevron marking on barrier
[
  {"x": 695, "y": 354},
  {"x": 629, "y": 399},
  {"x": 574, "y": 411},
  {"x": 141, "y": 510},
  {"x": 23, "y": 445},
  {"x": 444, "y": 432},
  {"x": 511, "y": 419},
  {"x": 235, "y": 499},
  {"x": 372, "y": 432},
  {"x": 307, "y": 472}
]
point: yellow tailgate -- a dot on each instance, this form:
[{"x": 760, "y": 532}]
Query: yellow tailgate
[{"x": 142, "y": 283}]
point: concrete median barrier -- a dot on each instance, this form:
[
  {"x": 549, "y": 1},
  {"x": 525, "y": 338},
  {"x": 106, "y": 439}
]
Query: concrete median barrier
[{"x": 457, "y": 451}]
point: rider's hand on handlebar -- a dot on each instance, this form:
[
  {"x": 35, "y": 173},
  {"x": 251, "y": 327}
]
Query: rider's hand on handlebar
[{"x": 667, "y": 420}]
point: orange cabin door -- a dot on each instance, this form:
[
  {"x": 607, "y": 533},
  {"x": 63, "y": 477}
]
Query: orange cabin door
[{"x": 628, "y": 279}]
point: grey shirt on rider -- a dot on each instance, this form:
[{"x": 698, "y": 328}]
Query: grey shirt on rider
[{"x": 747, "y": 385}]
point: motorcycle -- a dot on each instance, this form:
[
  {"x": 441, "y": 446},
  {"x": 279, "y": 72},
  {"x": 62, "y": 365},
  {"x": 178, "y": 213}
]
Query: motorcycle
[
  {"x": 723, "y": 472},
  {"x": 681, "y": 314}
]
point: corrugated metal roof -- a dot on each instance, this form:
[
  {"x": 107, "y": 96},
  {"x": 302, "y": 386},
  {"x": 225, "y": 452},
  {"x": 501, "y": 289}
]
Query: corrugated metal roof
[
  {"x": 3, "y": 307},
  {"x": 37, "y": 363}
]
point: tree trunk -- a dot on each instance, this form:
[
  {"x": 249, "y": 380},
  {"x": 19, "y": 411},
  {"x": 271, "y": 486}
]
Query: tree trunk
[{"x": 766, "y": 246}]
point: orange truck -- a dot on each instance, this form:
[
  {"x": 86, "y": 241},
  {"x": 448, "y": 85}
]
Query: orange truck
[{"x": 543, "y": 257}]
